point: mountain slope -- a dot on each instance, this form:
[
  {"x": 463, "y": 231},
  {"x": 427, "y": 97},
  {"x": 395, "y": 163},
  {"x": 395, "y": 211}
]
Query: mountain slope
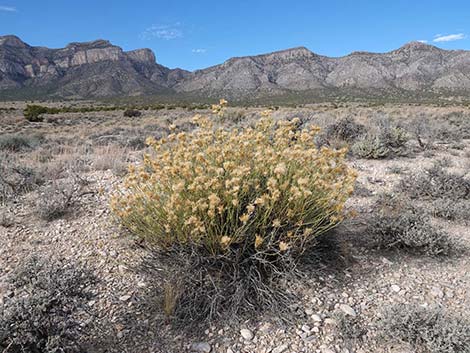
[
  {"x": 93, "y": 69},
  {"x": 100, "y": 69}
]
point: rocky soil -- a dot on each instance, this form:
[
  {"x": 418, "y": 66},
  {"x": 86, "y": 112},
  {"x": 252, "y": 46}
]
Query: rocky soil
[{"x": 127, "y": 312}]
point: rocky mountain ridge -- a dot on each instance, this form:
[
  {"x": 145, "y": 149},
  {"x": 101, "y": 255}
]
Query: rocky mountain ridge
[{"x": 100, "y": 69}]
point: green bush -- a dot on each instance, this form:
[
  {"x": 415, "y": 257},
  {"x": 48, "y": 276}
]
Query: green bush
[{"x": 33, "y": 112}]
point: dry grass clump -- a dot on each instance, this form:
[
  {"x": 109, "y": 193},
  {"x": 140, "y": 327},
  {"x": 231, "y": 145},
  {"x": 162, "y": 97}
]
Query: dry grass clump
[
  {"x": 41, "y": 314},
  {"x": 16, "y": 178},
  {"x": 241, "y": 205},
  {"x": 398, "y": 225},
  {"x": 18, "y": 142},
  {"x": 437, "y": 183},
  {"x": 59, "y": 198},
  {"x": 427, "y": 330}
]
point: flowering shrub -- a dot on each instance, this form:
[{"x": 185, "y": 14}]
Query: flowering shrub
[
  {"x": 244, "y": 198},
  {"x": 266, "y": 187}
]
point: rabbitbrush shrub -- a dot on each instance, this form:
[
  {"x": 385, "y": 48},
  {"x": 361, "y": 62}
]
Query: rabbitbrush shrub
[{"x": 240, "y": 205}]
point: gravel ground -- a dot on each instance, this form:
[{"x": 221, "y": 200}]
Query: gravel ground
[{"x": 128, "y": 316}]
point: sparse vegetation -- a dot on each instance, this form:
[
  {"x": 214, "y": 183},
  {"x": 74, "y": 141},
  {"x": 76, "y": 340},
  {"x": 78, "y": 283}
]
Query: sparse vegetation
[
  {"x": 132, "y": 113},
  {"x": 58, "y": 199},
  {"x": 345, "y": 129},
  {"x": 16, "y": 178},
  {"x": 41, "y": 314},
  {"x": 388, "y": 141},
  {"x": 399, "y": 225},
  {"x": 18, "y": 142},
  {"x": 436, "y": 183},
  {"x": 427, "y": 330}
]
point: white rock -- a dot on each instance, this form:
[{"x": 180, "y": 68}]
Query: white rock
[
  {"x": 280, "y": 349},
  {"x": 395, "y": 288},
  {"x": 316, "y": 318},
  {"x": 347, "y": 310},
  {"x": 125, "y": 298},
  {"x": 202, "y": 347},
  {"x": 246, "y": 334}
]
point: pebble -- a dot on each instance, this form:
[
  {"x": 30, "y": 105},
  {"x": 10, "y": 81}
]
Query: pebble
[
  {"x": 202, "y": 347},
  {"x": 347, "y": 310},
  {"x": 246, "y": 334},
  {"x": 437, "y": 292},
  {"x": 316, "y": 318},
  {"x": 125, "y": 298},
  {"x": 280, "y": 349},
  {"x": 395, "y": 288},
  {"x": 327, "y": 350}
]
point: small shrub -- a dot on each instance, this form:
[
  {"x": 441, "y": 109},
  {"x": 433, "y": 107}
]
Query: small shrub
[
  {"x": 370, "y": 147},
  {"x": 33, "y": 113},
  {"x": 6, "y": 218},
  {"x": 346, "y": 129},
  {"x": 40, "y": 316},
  {"x": 17, "y": 142},
  {"x": 388, "y": 141},
  {"x": 436, "y": 183},
  {"x": 398, "y": 225},
  {"x": 424, "y": 133},
  {"x": 132, "y": 113},
  {"x": 15, "y": 178},
  {"x": 451, "y": 210},
  {"x": 348, "y": 327},
  {"x": 237, "y": 207},
  {"x": 428, "y": 330},
  {"x": 58, "y": 199}
]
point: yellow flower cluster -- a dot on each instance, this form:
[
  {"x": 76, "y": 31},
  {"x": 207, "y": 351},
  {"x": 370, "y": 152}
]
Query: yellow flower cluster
[{"x": 266, "y": 187}]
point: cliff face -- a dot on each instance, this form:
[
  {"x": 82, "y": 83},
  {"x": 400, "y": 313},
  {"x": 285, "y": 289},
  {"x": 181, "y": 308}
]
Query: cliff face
[
  {"x": 100, "y": 69},
  {"x": 92, "y": 69}
]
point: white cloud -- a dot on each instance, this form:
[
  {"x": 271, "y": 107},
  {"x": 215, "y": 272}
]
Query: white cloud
[
  {"x": 166, "y": 32},
  {"x": 8, "y": 8},
  {"x": 199, "y": 50},
  {"x": 422, "y": 41},
  {"x": 449, "y": 38}
]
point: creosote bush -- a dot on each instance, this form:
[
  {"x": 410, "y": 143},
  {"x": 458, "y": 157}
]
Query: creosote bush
[
  {"x": 41, "y": 314},
  {"x": 242, "y": 205},
  {"x": 398, "y": 225},
  {"x": 428, "y": 330}
]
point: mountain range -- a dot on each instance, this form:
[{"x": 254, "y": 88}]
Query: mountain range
[{"x": 100, "y": 69}]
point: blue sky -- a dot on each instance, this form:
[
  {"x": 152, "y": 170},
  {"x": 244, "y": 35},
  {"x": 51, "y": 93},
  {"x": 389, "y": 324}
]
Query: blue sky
[{"x": 200, "y": 33}]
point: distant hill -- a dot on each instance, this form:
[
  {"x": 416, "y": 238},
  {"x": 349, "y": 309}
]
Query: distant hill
[{"x": 99, "y": 69}]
